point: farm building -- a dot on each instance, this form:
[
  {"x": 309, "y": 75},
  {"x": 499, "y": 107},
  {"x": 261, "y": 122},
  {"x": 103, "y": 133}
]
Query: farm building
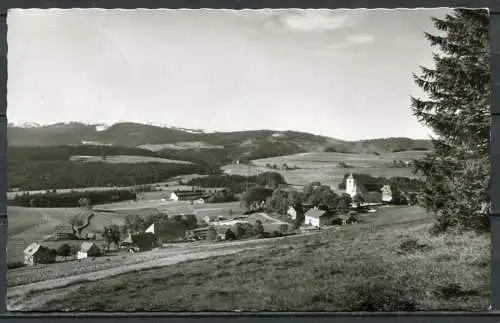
[
  {"x": 38, "y": 254},
  {"x": 386, "y": 194},
  {"x": 292, "y": 213},
  {"x": 198, "y": 234},
  {"x": 353, "y": 188},
  {"x": 88, "y": 249},
  {"x": 317, "y": 218},
  {"x": 194, "y": 195},
  {"x": 144, "y": 241},
  {"x": 64, "y": 232}
]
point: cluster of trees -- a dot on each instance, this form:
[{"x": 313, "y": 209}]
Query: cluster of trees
[
  {"x": 222, "y": 196},
  {"x": 376, "y": 146},
  {"x": 240, "y": 231},
  {"x": 281, "y": 166},
  {"x": 72, "y": 199},
  {"x": 39, "y": 175},
  {"x": 280, "y": 199},
  {"x": 65, "y": 250},
  {"x": 457, "y": 108},
  {"x": 238, "y": 183},
  {"x": 19, "y": 155},
  {"x": 112, "y": 234}
]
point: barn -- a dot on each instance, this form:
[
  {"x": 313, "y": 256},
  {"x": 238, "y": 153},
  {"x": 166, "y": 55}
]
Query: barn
[
  {"x": 38, "y": 254},
  {"x": 317, "y": 218}
]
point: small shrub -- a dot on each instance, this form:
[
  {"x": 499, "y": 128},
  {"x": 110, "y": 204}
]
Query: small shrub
[
  {"x": 377, "y": 296},
  {"x": 15, "y": 265}
]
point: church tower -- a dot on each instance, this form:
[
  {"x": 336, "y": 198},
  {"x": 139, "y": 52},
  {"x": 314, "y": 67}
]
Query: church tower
[{"x": 350, "y": 186}]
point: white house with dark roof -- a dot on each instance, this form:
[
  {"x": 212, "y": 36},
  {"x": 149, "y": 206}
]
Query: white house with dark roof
[
  {"x": 38, "y": 254},
  {"x": 317, "y": 218}
]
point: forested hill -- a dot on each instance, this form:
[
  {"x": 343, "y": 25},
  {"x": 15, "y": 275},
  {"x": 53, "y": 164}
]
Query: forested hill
[{"x": 233, "y": 145}]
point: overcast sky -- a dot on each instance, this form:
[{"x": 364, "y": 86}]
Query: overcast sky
[{"x": 341, "y": 73}]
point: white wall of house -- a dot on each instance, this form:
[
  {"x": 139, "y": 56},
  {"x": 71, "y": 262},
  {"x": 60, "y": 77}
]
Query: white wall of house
[
  {"x": 309, "y": 220},
  {"x": 292, "y": 213},
  {"x": 174, "y": 197},
  {"x": 81, "y": 255}
]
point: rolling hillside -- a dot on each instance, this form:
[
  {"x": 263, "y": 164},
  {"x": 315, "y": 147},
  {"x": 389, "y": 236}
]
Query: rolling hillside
[
  {"x": 252, "y": 144},
  {"x": 326, "y": 167}
]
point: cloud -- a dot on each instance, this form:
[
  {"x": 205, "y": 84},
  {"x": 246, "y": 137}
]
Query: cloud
[{"x": 309, "y": 20}]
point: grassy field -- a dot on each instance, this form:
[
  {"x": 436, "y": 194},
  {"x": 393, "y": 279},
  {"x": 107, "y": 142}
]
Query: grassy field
[
  {"x": 126, "y": 159},
  {"x": 324, "y": 167},
  {"x": 181, "y": 145},
  {"x": 387, "y": 263}
]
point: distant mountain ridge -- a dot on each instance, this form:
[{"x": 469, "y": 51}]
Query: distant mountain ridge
[{"x": 238, "y": 144}]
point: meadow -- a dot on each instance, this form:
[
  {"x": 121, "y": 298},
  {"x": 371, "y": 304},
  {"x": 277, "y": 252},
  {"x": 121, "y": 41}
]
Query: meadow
[
  {"x": 324, "y": 167},
  {"x": 389, "y": 262},
  {"x": 125, "y": 159}
]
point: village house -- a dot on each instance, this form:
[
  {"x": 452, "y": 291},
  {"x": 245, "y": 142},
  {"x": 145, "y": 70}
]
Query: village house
[
  {"x": 88, "y": 249},
  {"x": 189, "y": 195},
  {"x": 354, "y": 188},
  {"x": 386, "y": 194},
  {"x": 38, "y": 254},
  {"x": 317, "y": 218},
  {"x": 64, "y": 232},
  {"x": 291, "y": 212}
]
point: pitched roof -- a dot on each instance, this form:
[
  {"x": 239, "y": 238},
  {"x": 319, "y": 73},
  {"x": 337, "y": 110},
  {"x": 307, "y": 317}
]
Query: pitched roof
[
  {"x": 85, "y": 246},
  {"x": 32, "y": 248},
  {"x": 151, "y": 228},
  {"x": 315, "y": 213}
]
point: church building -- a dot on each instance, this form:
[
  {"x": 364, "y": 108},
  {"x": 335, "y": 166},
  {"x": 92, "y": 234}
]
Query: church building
[{"x": 354, "y": 188}]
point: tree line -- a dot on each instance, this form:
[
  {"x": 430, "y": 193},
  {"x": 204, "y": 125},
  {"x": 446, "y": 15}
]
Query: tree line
[
  {"x": 41, "y": 175},
  {"x": 71, "y": 199},
  {"x": 238, "y": 183}
]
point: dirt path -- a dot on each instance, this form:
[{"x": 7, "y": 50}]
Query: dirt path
[{"x": 25, "y": 297}]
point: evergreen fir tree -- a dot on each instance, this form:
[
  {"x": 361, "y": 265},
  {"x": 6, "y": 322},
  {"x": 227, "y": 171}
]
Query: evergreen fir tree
[{"x": 457, "y": 110}]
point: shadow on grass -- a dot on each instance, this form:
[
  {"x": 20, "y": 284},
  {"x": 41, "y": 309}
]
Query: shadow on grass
[
  {"x": 452, "y": 291},
  {"x": 412, "y": 246}
]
